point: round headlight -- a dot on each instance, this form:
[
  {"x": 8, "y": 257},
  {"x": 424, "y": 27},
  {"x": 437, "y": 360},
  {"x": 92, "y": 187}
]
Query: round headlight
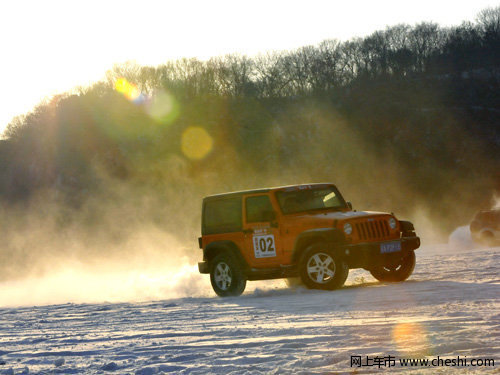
[
  {"x": 392, "y": 223},
  {"x": 347, "y": 228}
]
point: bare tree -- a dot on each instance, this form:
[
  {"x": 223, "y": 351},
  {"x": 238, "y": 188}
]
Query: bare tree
[
  {"x": 425, "y": 40},
  {"x": 272, "y": 76},
  {"x": 234, "y": 75},
  {"x": 489, "y": 20}
]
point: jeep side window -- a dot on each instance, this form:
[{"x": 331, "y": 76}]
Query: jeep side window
[
  {"x": 222, "y": 216},
  {"x": 258, "y": 209}
]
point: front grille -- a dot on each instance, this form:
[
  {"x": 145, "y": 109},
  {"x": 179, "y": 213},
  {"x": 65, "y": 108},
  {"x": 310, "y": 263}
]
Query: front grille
[{"x": 372, "y": 230}]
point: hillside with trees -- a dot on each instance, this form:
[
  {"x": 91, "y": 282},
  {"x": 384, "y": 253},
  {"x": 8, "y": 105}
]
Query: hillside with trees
[{"x": 406, "y": 119}]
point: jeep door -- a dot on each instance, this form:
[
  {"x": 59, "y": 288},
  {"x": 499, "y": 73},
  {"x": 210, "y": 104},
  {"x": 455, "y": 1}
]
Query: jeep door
[{"x": 262, "y": 237}]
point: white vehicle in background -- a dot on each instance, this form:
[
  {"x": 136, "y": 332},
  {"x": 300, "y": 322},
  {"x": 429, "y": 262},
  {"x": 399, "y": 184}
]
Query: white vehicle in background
[{"x": 485, "y": 227}]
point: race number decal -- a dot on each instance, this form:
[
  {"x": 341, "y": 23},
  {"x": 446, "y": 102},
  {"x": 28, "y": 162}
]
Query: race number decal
[{"x": 264, "y": 246}]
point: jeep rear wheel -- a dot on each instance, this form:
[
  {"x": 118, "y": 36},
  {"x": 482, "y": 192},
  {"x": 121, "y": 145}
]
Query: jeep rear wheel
[
  {"x": 226, "y": 276},
  {"x": 320, "y": 268},
  {"x": 398, "y": 271}
]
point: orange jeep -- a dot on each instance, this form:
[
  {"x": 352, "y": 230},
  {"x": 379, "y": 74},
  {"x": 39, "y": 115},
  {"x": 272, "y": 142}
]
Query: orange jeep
[{"x": 308, "y": 231}]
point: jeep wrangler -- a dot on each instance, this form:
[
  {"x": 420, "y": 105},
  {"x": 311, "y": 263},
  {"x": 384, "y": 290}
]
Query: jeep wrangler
[
  {"x": 307, "y": 231},
  {"x": 485, "y": 227}
]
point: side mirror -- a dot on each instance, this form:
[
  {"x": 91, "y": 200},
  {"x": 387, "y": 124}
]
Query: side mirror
[{"x": 349, "y": 204}]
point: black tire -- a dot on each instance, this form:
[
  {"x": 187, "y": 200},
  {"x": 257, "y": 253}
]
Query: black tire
[
  {"x": 399, "y": 271},
  {"x": 321, "y": 268},
  {"x": 226, "y": 276}
]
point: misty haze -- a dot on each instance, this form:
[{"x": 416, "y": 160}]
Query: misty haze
[{"x": 101, "y": 192}]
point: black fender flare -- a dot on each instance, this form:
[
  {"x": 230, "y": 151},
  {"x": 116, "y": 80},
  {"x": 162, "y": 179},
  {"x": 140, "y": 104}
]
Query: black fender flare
[
  {"x": 216, "y": 247},
  {"x": 332, "y": 236},
  {"x": 407, "y": 228}
]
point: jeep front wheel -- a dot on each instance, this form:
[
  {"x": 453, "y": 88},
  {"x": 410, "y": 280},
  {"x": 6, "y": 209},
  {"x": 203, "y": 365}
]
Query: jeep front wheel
[
  {"x": 398, "y": 271},
  {"x": 226, "y": 276},
  {"x": 320, "y": 268}
]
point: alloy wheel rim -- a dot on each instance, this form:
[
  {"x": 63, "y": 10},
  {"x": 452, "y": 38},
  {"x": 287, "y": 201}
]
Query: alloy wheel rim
[
  {"x": 321, "y": 268},
  {"x": 223, "y": 276}
]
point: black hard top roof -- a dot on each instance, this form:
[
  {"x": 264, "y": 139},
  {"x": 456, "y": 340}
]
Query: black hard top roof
[{"x": 265, "y": 190}]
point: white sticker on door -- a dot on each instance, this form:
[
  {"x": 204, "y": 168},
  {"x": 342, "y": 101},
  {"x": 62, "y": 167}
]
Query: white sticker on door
[{"x": 264, "y": 246}]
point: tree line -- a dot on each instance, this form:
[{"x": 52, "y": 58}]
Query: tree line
[
  {"x": 398, "y": 52},
  {"x": 415, "y": 106}
]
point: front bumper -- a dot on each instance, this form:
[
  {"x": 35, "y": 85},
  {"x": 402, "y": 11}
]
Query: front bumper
[
  {"x": 367, "y": 255},
  {"x": 203, "y": 267}
]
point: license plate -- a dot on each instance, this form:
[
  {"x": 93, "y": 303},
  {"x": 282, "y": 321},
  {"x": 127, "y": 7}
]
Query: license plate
[{"x": 390, "y": 247}]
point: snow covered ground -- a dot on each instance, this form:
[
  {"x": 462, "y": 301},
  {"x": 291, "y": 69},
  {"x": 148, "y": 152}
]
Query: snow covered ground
[{"x": 448, "y": 308}]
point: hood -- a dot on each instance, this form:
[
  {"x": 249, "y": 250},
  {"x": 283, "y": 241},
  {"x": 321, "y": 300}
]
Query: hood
[
  {"x": 329, "y": 218},
  {"x": 337, "y": 215}
]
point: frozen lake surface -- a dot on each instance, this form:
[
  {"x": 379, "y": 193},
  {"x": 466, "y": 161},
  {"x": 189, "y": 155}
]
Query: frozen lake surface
[{"x": 448, "y": 308}]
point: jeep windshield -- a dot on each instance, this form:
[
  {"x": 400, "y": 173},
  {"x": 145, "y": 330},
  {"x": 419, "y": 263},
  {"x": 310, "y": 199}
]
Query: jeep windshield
[{"x": 309, "y": 199}]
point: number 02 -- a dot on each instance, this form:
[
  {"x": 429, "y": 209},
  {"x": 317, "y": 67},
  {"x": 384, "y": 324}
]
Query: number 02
[{"x": 264, "y": 247}]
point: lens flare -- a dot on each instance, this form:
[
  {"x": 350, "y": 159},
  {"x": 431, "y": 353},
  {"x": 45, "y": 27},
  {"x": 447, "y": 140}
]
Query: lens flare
[
  {"x": 411, "y": 339},
  {"x": 196, "y": 143},
  {"x": 163, "y": 107},
  {"x": 129, "y": 90}
]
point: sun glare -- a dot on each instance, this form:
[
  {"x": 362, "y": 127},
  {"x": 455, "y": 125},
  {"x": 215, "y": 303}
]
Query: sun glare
[
  {"x": 411, "y": 339},
  {"x": 129, "y": 90}
]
